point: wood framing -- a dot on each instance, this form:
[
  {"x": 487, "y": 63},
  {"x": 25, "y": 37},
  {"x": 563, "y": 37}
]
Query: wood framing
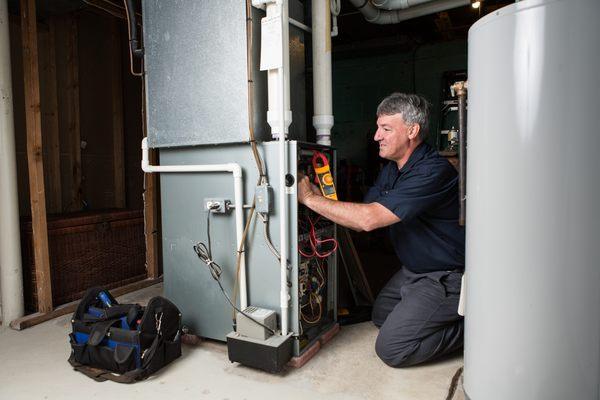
[
  {"x": 73, "y": 118},
  {"x": 35, "y": 154},
  {"x": 150, "y": 207},
  {"x": 117, "y": 119},
  {"x": 50, "y": 120},
  {"x": 39, "y": 317}
]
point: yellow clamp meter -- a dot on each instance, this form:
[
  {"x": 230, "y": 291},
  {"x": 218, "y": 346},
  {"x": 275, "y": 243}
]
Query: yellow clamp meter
[{"x": 321, "y": 166}]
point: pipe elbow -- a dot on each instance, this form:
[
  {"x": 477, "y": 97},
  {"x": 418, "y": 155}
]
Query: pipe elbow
[{"x": 236, "y": 170}]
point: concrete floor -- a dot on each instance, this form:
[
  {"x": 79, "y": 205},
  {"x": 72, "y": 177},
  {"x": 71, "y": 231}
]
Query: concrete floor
[{"x": 34, "y": 366}]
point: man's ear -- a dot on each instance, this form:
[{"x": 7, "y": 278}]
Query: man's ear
[{"x": 414, "y": 132}]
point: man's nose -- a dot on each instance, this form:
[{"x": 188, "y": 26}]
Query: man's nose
[{"x": 377, "y": 136}]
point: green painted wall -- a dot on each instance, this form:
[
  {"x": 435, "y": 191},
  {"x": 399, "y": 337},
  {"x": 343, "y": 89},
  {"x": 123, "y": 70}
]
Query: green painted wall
[{"x": 359, "y": 84}]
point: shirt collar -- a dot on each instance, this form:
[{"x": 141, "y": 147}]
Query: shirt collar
[{"x": 416, "y": 155}]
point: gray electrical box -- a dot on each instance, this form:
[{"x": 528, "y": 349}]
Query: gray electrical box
[{"x": 248, "y": 322}]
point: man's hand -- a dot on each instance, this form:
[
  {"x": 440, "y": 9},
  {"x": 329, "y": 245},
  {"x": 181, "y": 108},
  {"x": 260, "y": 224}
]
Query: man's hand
[{"x": 306, "y": 189}]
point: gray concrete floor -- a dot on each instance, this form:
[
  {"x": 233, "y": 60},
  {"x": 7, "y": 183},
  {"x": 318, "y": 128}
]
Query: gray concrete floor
[{"x": 34, "y": 366}]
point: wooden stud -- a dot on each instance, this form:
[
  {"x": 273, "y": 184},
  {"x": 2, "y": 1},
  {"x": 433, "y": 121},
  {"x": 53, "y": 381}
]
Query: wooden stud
[
  {"x": 50, "y": 119},
  {"x": 72, "y": 111},
  {"x": 150, "y": 207},
  {"x": 37, "y": 318},
  {"x": 35, "y": 155},
  {"x": 117, "y": 119}
]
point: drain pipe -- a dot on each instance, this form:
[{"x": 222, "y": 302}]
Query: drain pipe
[
  {"x": 321, "y": 44},
  {"x": 279, "y": 118},
  {"x": 11, "y": 277},
  {"x": 384, "y": 17},
  {"x": 283, "y": 80},
  {"x": 233, "y": 168}
]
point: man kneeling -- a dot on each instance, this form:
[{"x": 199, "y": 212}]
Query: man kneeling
[{"x": 416, "y": 197}]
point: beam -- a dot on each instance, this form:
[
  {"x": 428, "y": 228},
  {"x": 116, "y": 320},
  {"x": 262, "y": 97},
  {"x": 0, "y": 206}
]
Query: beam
[
  {"x": 150, "y": 206},
  {"x": 37, "y": 318},
  {"x": 34, "y": 155}
]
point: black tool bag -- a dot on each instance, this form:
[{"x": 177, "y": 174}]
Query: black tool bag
[{"x": 123, "y": 342}]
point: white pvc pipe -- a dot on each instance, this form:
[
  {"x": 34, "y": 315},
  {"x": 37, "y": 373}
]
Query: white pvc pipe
[
  {"x": 238, "y": 195},
  {"x": 11, "y": 278},
  {"x": 322, "y": 88},
  {"x": 274, "y": 93},
  {"x": 284, "y": 90}
]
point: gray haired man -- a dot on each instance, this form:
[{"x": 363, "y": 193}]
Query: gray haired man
[{"x": 416, "y": 197}]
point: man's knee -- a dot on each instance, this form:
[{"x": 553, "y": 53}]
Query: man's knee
[
  {"x": 379, "y": 313},
  {"x": 394, "y": 353}
]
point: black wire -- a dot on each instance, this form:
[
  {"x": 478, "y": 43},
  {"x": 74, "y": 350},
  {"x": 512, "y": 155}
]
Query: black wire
[{"x": 204, "y": 253}]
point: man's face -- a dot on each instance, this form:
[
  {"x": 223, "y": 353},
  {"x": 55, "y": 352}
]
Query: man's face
[{"x": 393, "y": 136}]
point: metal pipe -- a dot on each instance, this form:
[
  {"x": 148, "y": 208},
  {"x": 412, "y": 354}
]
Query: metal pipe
[
  {"x": 322, "y": 87},
  {"x": 300, "y": 25},
  {"x": 383, "y": 17},
  {"x": 238, "y": 196},
  {"x": 397, "y": 4},
  {"x": 11, "y": 277},
  {"x": 460, "y": 89}
]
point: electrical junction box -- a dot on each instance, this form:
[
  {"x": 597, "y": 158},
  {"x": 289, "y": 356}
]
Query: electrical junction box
[
  {"x": 262, "y": 197},
  {"x": 249, "y": 328}
]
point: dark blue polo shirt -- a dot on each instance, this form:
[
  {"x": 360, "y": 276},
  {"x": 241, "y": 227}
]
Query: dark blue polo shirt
[{"x": 424, "y": 195}]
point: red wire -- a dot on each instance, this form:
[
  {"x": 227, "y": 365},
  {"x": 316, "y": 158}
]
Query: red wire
[{"x": 314, "y": 242}]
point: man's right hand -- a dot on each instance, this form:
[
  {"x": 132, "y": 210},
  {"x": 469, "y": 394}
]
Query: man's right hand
[{"x": 306, "y": 189}]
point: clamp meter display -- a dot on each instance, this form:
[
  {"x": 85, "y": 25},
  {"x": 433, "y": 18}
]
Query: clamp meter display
[{"x": 323, "y": 172}]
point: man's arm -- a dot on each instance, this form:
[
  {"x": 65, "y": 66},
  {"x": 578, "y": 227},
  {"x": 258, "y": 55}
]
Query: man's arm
[{"x": 356, "y": 216}]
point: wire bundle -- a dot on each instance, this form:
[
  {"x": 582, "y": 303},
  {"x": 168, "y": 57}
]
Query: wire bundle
[
  {"x": 315, "y": 243},
  {"x": 315, "y": 299}
]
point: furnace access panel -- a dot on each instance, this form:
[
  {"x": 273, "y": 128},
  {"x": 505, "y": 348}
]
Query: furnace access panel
[{"x": 312, "y": 254}]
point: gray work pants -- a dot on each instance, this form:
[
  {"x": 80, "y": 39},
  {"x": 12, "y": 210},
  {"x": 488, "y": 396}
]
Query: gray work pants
[{"x": 417, "y": 316}]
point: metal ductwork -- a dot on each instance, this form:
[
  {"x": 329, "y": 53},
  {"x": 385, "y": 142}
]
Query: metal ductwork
[
  {"x": 397, "y": 4},
  {"x": 379, "y": 11}
]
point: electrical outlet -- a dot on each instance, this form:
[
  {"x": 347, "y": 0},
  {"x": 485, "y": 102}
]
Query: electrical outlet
[{"x": 217, "y": 205}]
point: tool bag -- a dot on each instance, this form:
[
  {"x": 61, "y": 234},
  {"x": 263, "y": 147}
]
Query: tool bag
[{"x": 123, "y": 342}]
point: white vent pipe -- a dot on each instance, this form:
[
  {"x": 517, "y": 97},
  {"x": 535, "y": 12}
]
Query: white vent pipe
[
  {"x": 238, "y": 196},
  {"x": 279, "y": 117},
  {"x": 11, "y": 278},
  {"x": 322, "y": 97}
]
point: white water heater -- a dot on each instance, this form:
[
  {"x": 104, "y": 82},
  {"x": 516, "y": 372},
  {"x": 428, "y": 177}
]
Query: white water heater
[{"x": 532, "y": 323}]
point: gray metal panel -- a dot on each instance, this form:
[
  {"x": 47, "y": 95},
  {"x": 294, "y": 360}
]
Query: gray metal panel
[
  {"x": 532, "y": 323},
  {"x": 196, "y": 74},
  {"x": 195, "y": 60},
  {"x": 186, "y": 279}
]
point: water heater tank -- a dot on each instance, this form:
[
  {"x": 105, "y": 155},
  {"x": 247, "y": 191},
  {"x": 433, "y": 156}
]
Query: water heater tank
[{"x": 532, "y": 324}]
